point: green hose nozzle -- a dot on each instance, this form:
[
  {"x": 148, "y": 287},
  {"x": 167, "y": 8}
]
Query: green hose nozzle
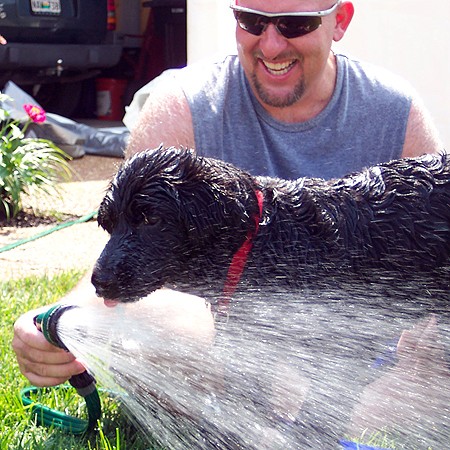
[
  {"x": 84, "y": 383},
  {"x": 47, "y": 321}
]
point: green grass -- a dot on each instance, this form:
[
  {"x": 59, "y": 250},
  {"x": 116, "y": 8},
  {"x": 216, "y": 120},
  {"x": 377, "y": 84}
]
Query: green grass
[{"x": 17, "y": 427}]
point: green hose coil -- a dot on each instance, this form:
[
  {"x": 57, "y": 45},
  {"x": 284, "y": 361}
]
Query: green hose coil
[{"x": 52, "y": 418}]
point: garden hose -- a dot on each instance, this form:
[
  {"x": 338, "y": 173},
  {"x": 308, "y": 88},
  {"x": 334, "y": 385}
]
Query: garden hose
[
  {"x": 69, "y": 223},
  {"x": 84, "y": 384}
]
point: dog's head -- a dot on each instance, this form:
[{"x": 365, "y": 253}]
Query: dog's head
[{"x": 173, "y": 217}]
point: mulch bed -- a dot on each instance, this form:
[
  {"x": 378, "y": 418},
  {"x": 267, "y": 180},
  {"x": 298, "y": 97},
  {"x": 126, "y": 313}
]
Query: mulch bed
[{"x": 28, "y": 218}]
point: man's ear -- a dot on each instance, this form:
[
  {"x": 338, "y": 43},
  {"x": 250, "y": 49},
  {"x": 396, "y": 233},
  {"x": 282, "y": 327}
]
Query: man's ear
[{"x": 344, "y": 16}]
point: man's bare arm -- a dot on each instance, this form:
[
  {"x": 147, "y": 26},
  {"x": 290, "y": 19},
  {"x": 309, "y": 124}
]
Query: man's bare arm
[
  {"x": 421, "y": 134},
  {"x": 165, "y": 119}
]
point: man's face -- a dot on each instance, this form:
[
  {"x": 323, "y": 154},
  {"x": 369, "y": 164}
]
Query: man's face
[{"x": 281, "y": 71}]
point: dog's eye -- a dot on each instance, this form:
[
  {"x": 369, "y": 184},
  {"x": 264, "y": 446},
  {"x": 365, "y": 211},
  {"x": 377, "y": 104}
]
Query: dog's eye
[{"x": 151, "y": 220}]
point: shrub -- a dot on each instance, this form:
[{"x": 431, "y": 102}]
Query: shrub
[{"x": 27, "y": 165}]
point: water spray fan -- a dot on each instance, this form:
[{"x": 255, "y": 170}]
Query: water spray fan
[{"x": 84, "y": 383}]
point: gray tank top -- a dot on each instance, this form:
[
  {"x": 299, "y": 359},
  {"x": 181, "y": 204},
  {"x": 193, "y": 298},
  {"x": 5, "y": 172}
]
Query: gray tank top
[{"x": 363, "y": 124}]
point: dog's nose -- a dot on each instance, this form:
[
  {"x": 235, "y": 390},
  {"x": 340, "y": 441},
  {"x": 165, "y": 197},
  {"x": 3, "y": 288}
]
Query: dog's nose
[{"x": 104, "y": 283}]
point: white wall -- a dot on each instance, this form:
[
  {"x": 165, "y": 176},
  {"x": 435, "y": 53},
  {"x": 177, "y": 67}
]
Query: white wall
[
  {"x": 210, "y": 29},
  {"x": 409, "y": 37}
]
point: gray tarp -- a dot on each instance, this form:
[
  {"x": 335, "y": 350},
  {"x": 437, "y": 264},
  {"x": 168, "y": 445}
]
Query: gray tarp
[{"x": 76, "y": 139}]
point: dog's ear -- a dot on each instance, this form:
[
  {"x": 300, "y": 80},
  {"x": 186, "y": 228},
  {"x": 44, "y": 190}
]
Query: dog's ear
[{"x": 217, "y": 201}]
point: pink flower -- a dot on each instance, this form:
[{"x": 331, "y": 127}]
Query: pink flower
[{"x": 36, "y": 114}]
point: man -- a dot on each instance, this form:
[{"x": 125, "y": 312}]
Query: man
[{"x": 287, "y": 106}]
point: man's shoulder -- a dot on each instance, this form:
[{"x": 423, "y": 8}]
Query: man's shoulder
[{"x": 371, "y": 74}]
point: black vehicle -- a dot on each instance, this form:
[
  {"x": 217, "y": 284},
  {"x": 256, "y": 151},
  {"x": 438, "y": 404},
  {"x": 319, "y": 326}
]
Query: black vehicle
[{"x": 53, "y": 45}]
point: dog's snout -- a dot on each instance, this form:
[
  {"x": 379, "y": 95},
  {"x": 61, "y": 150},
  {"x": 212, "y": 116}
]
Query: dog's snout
[{"x": 104, "y": 282}]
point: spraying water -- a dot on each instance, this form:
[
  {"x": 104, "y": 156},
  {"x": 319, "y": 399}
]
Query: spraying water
[{"x": 296, "y": 369}]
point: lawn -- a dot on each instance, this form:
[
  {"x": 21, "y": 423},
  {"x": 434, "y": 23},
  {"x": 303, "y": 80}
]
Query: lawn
[{"x": 17, "y": 427}]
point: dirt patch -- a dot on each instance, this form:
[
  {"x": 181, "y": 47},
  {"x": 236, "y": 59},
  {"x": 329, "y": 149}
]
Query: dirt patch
[{"x": 28, "y": 219}]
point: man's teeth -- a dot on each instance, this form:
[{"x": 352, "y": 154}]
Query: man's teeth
[{"x": 278, "y": 68}]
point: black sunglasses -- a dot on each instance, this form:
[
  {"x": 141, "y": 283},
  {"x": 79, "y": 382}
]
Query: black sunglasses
[{"x": 289, "y": 24}]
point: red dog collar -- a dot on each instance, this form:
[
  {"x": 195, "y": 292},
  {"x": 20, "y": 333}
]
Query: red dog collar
[{"x": 239, "y": 260}]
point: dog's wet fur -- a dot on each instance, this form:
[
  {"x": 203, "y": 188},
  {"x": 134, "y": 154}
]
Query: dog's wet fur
[{"x": 177, "y": 219}]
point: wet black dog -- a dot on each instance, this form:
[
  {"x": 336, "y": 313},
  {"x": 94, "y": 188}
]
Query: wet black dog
[
  {"x": 201, "y": 224},
  {"x": 179, "y": 219}
]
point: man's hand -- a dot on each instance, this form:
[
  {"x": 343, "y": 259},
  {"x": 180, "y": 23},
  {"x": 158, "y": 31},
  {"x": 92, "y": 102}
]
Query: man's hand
[{"x": 41, "y": 362}]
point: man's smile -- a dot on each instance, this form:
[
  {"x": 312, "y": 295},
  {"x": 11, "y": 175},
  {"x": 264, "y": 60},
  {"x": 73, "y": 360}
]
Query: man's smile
[{"x": 279, "y": 68}]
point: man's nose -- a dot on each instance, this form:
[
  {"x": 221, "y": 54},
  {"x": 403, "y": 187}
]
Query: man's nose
[{"x": 272, "y": 43}]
